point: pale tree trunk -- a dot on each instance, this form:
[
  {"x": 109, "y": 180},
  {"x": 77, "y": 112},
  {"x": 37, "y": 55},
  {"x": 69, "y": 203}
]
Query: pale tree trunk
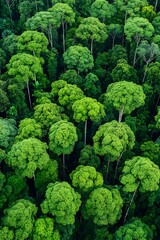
[
  {"x": 125, "y": 19},
  {"x": 85, "y": 133},
  {"x": 50, "y": 37},
  {"x": 126, "y": 214},
  {"x": 63, "y": 30},
  {"x": 91, "y": 46},
  {"x": 120, "y": 114},
  {"x": 10, "y": 11},
  {"x": 29, "y": 95},
  {"x": 155, "y": 6},
  {"x": 107, "y": 171},
  {"x": 64, "y": 167},
  {"x": 115, "y": 174},
  {"x": 113, "y": 40},
  {"x": 36, "y": 6},
  {"x": 145, "y": 72},
  {"x": 135, "y": 53}
]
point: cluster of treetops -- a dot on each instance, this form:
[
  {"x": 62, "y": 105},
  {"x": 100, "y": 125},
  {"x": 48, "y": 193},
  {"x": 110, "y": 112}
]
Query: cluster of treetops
[{"x": 79, "y": 119}]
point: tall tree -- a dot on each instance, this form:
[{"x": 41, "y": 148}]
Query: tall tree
[
  {"x": 88, "y": 108},
  {"x": 45, "y": 22},
  {"x": 63, "y": 14},
  {"x": 125, "y": 97},
  {"x": 62, "y": 139},
  {"x": 78, "y": 57},
  {"x": 62, "y": 202},
  {"x": 139, "y": 173},
  {"x": 138, "y": 28},
  {"x": 91, "y": 28},
  {"x": 27, "y": 156}
]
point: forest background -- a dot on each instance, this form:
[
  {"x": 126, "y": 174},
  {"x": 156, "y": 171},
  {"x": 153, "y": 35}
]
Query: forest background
[{"x": 79, "y": 119}]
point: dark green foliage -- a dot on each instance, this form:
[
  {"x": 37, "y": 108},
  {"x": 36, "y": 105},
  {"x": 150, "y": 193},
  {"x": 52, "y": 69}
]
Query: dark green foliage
[
  {"x": 8, "y": 131},
  {"x": 88, "y": 157}
]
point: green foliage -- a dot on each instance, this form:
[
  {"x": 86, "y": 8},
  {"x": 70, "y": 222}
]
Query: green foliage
[
  {"x": 69, "y": 2},
  {"x": 103, "y": 10},
  {"x": 151, "y": 150},
  {"x": 112, "y": 139},
  {"x": 86, "y": 178},
  {"x": 88, "y": 157},
  {"x": 116, "y": 53},
  {"x": 62, "y": 136},
  {"x": 23, "y": 67},
  {"x": 72, "y": 77},
  {"x": 148, "y": 12},
  {"x": 138, "y": 28},
  {"x": 46, "y": 175},
  {"x": 134, "y": 230},
  {"x": 103, "y": 206},
  {"x": 62, "y": 12},
  {"x": 69, "y": 94},
  {"x": 124, "y": 72},
  {"x": 6, "y": 234},
  {"x": 126, "y": 95},
  {"x": 4, "y": 101},
  {"x": 142, "y": 173},
  {"x": 8, "y": 132},
  {"x": 88, "y": 108},
  {"x": 46, "y": 114},
  {"x": 155, "y": 23},
  {"x": 2, "y": 180},
  {"x": 92, "y": 28},
  {"x": 28, "y": 128},
  {"x": 157, "y": 118},
  {"x": 92, "y": 86},
  {"x": 78, "y": 57},
  {"x": 62, "y": 202},
  {"x": 55, "y": 87},
  {"x": 32, "y": 42},
  {"x": 27, "y": 156},
  {"x": 20, "y": 218},
  {"x": 44, "y": 229}
]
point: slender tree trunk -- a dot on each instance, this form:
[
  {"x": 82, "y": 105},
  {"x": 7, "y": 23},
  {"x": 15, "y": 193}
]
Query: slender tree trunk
[
  {"x": 115, "y": 174},
  {"x": 63, "y": 30},
  {"x": 155, "y": 6},
  {"x": 135, "y": 54},
  {"x": 126, "y": 214},
  {"x": 120, "y": 114},
  {"x": 91, "y": 46},
  {"x": 64, "y": 167},
  {"x": 29, "y": 95},
  {"x": 10, "y": 11},
  {"x": 85, "y": 133},
  {"x": 145, "y": 72},
  {"x": 36, "y": 6},
  {"x": 125, "y": 19},
  {"x": 113, "y": 41},
  {"x": 107, "y": 171},
  {"x": 35, "y": 78},
  {"x": 50, "y": 37}
]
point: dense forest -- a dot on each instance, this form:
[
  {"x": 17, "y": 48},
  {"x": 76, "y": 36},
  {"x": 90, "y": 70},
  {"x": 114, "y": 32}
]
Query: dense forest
[{"x": 79, "y": 119}]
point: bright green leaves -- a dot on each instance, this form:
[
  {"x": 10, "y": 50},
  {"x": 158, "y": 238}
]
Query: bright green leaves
[
  {"x": 44, "y": 229},
  {"x": 32, "y": 42},
  {"x": 24, "y": 67},
  {"x": 46, "y": 114},
  {"x": 62, "y": 136},
  {"x": 27, "y": 156},
  {"x": 69, "y": 94},
  {"x": 6, "y": 234},
  {"x": 28, "y": 128},
  {"x": 134, "y": 230},
  {"x": 112, "y": 139},
  {"x": 91, "y": 28},
  {"x": 86, "y": 178},
  {"x": 125, "y": 95},
  {"x": 20, "y": 218},
  {"x": 140, "y": 172},
  {"x": 88, "y": 108},
  {"x": 103, "y": 206},
  {"x": 157, "y": 118},
  {"x": 79, "y": 58},
  {"x": 62, "y": 202},
  {"x": 138, "y": 28}
]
